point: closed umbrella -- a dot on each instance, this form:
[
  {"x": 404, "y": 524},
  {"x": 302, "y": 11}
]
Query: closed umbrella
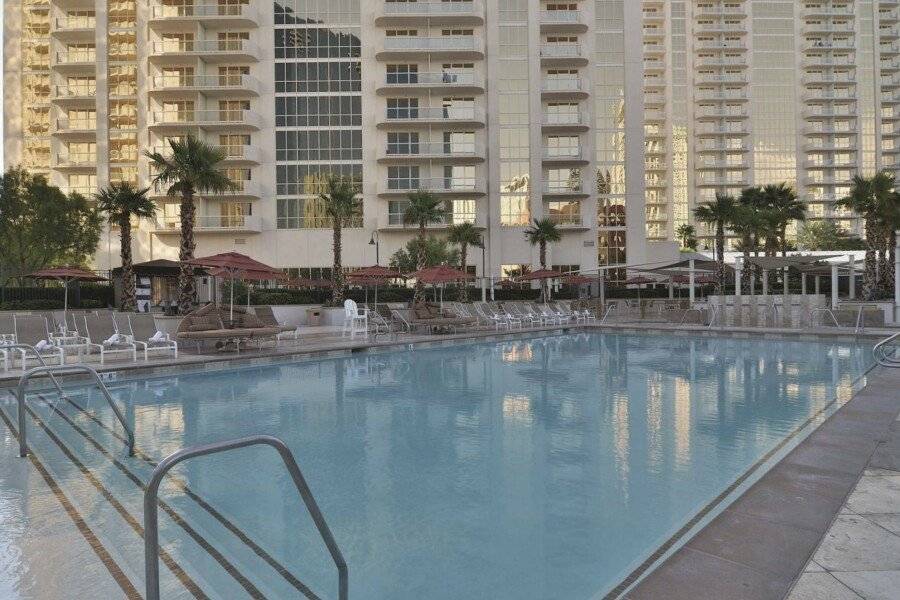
[
  {"x": 66, "y": 274},
  {"x": 541, "y": 275}
]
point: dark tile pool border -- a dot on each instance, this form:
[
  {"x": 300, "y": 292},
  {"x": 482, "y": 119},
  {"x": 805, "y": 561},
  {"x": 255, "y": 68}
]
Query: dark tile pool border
[{"x": 759, "y": 545}]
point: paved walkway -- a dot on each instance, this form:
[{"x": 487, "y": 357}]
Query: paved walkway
[{"x": 859, "y": 557}]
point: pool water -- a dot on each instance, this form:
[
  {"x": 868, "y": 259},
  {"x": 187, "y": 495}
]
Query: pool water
[{"x": 541, "y": 468}]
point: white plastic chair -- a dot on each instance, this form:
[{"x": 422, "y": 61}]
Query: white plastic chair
[{"x": 355, "y": 320}]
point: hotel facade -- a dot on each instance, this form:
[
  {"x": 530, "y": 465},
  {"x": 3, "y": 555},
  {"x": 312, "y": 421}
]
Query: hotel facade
[{"x": 612, "y": 117}]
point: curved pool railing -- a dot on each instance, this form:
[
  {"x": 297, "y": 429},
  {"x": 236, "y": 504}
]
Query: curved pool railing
[
  {"x": 882, "y": 357},
  {"x": 151, "y": 493},
  {"x": 827, "y": 311},
  {"x": 609, "y": 309},
  {"x": 65, "y": 370}
]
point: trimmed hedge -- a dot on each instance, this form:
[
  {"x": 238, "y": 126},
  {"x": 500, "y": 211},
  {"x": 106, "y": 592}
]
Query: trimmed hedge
[
  {"x": 388, "y": 294},
  {"x": 85, "y": 295}
]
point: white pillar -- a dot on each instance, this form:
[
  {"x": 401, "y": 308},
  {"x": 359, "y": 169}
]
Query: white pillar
[
  {"x": 492, "y": 288},
  {"x": 834, "y": 286},
  {"x": 738, "y": 270},
  {"x": 765, "y": 278},
  {"x": 803, "y": 283},
  {"x": 603, "y": 288},
  {"x": 852, "y": 288},
  {"x": 671, "y": 290},
  {"x": 787, "y": 289},
  {"x": 483, "y": 288},
  {"x": 691, "y": 281},
  {"x": 818, "y": 285}
]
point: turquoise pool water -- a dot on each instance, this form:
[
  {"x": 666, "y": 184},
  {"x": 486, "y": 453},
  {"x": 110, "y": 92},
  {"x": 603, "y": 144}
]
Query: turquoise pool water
[{"x": 533, "y": 469}]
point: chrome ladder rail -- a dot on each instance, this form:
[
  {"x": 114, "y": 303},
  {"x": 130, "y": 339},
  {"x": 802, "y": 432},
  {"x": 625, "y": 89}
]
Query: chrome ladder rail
[
  {"x": 151, "y": 523},
  {"x": 823, "y": 310},
  {"x": 880, "y": 354},
  {"x": 609, "y": 309},
  {"x": 40, "y": 360},
  {"x": 690, "y": 311},
  {"x": 66, "y": 370}
]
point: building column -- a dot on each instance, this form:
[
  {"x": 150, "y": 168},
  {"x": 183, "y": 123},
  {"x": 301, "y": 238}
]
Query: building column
[
  {"x": 851, "y": 263},
  {"x": 765, "y": 283},
  {"x": 691, "y": 280},
  {"x": 834, "y": 286},
  {"x": 738, "y": 271}
]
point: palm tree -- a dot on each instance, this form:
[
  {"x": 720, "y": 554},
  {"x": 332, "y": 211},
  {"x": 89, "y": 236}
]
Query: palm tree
[
  {"x": 424, "y": 209},
  {"x": 889, "y": 215},
  {"x": 746, "y": 223},
  {"x": 464, "y": 235},
  {"x": 687, "y": 235},
  {"x": 192, "y": 167},
  {"x": 121, "y": 202},
  {"x": 883, "y": 190},
  {"x": 785, "y": 207},
  {"x": 540, "y": 233},
  {"x": 719, "y": 213},
  {"x": 754, "y": 226},
  {"x": 341, "y": 206},
  {"x": 862, "y": 201}
]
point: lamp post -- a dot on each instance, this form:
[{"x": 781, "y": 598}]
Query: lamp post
[
  {"x": 375, "y": 241},
  {"x": 483, "y": 271}
]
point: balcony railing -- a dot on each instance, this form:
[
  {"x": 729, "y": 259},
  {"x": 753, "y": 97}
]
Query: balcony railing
[
  {"x": 77, "y": 159},
  {"x": 228, "y": 82},
  {"x": 202, "y": 117},
  {"x": 75, "y": 23},
  {"x": 424, "y": 79},
  {"x": 563, "y": 119},
  {"x": 562, "y": 85},
  {"x": 431, "y": 9},
  {"x": 560, "y": 50},
  {"x": 203, "y": 10},
  {"x": 433, "y": 44},
  {"x": 560, "y": 17},
  {"x": 562, "y": 187},
  {"x": 224, "y": 223},
  {"x": 449, "y": 149},
  {"x": 75, "y": 57},
  {"x": 436, "y": 113},
  {"x": 74, "y": 91},
  {"x": 434, "y": 184},
  {"x": 205, "y": 47},
  {"x": 64, "y": 124}
]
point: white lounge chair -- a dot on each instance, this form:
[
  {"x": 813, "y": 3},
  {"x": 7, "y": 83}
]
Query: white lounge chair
[
  {"x": 32, "y": 330},
  {"x": 141, "y": 329},
  {"x": 489, "y": 316},
  {"x": 103, "y": 336}
]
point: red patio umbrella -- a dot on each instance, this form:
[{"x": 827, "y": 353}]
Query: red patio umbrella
[
  {"x": 439, "y": 274},
  {"x": 639, "y": 280},
  {"x": 375, "y": 275},
  {"x": 238, "y": 266},
  {"x": 541, "y": 275},
  {"x": 577, "y": 279},
  {"x": 66, "y": 274}
]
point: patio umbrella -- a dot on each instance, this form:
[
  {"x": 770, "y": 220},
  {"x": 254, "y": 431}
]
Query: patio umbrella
[
  {"x": 237, "y": 266},
  {"x": 576, "y": 279},
  {"x": 66, "y": 274},
  {"x": 249, "y": 275},
  {"x": 373, "y": 276},
  {"x": 440, "y": 274},
  {"x": 540, "y": 275},
  {"x": 639, "y": 280}
]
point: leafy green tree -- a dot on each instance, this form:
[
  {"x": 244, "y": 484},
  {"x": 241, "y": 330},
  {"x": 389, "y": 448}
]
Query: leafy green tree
[
  {"x": 341, "y": 206},
  {"x": 424, "y": 209},
  {"x": 718, "y": 213},
  {"x": 191, "y": 167},
  {"x": 464, "y": 235},
  {"x": 540, "y": 233},
  {"x": 437, "y": 252},
  {"x": 827, "y": 235},
  {"x": 121, "y": 202},
  {"x": 40, "y": 226},
  {"x": 687, "y": 235}
]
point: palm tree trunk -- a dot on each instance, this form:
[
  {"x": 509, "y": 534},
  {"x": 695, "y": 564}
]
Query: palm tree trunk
[
  {"x": 748, "y": 268},
  {"x": 870, "y": 279},
  {"x": 463, "y": 259},
  {"x": 720, "y": 256},
  {"x": 543, "y": 258},
  {"x": 421, "y": 261},
  {"x": 892, "y": 257},
  {"x": 129, "y": 301},
  {"x": 187, "y": 296},
  {"x": 337, "y": 270},
  {"x": 885, "y": 268}
]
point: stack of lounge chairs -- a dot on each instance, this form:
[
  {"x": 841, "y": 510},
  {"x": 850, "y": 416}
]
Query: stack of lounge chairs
[{"x": 208, "y": 324}]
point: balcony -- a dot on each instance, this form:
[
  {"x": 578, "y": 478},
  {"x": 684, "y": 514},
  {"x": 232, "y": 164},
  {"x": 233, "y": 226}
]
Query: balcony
[
  {"x": 230, "y": 85},
  {"x": 891, "y": 49},
  {"x": 822, "y": 94},
  {"x": 563, "y": 54},
  {"x": 75, "y": 28},
  {"x": 720, "y": 27},
  {"x": 449, "y": 81},
  {"x": 448, "y": 152},
  {"x": 210, "y": 14},
  {"x": 573, "y": 157},
  {"x": 829, "y": 59},
  {"x": 728, "y": 128},
  {"x": 731, "y": 11},
  {"x": 721, "y": 61},
  {"x": 827, "y": 111},
  {"x": 75, "y": 128},
  {"x": 74, "y": 95},
  {"x": 78, "y": 161},
  {"x": 403, "y": 47},
  {"x": 712, "y": 181},
  {"x": 206, "y": 119},
  {"x": 76, "y": 61},
  {"x": 654, "y": 115},
  {"x": 813, "y": 78},
  {"x": 562, "y": 21},
  {"x": 455, "y": 116},
  {"x": 826, "y": 10},
  {"x": 719, "y": 78},
  {"x": 826, "y": 45},
  {"x": 234, "y": 155},
  {"x": 212, "y": 224},
  {"x": 423, "y": 12},
  {"x": 654, "y": 65},
  {"x": 395, "y": 222},
  {"x": 721, "y": 112},
  {"x": 718, "y": 146},
  {"x": 572, "y": 88},
  {"x": 564, "y": 122},
  {"x": 567, "y": 222},
  {"x": 243, "y": 190},
  {"x": 209, "y": 50},
  {"x": 724, "y": 45},
  {"x": 453, "y": 186},
  {"x": 717, "y": 164},
  {"x": 827, "y": 27},
  {"x": 564, "y": 189}
]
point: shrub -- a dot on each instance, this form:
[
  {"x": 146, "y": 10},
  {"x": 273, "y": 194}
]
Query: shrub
[{"x": 36, "y": 304}]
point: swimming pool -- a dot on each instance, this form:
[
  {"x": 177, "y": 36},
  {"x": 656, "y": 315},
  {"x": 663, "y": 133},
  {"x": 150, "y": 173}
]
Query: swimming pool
[{"x": 539, "y": 468}]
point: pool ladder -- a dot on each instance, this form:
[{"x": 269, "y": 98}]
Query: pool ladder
[
  {"x": 882, "y": 356},
  {"x": 151, "y": 493}
]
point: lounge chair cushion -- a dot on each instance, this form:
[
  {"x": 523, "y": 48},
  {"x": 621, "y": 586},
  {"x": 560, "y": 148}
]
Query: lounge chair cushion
[{"x": 422, "y": 312}]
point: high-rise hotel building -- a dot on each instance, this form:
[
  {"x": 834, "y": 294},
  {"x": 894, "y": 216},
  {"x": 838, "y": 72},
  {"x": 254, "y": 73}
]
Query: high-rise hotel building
[{"x": 612, "y": 117}]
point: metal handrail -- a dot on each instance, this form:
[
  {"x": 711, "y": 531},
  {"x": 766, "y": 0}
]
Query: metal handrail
[
  {"x": 878, "y": 350},
  {"x": 66, "y": 370},
  {"x": 825, "y": 310},
  {"x": 151, "y": 525},
  {"x": 714, "y": 309},
  {"x": 40, "y": 359},
  {"x": 689, "y": 311},
  {"x": 608, "y": 310}
]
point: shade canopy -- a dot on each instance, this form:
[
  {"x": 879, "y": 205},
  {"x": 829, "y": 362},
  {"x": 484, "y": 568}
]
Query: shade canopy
[
  {"x": 248, "y": 275},
  {"x": 639, "y": 280},
  {"x": 540, "y": 275},
  {"x": 439, "y": 274},
  {"x": 773, "y": 263},
  {"x": 67, "y": 274},
  {"x": 577, "y": 279},
  {"x": 698, "y": 279},
  {"x": 158, "y": 268}
]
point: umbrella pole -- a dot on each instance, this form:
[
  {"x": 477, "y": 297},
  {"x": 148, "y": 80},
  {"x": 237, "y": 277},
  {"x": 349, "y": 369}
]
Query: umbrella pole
[
  {"x": 376, "y": 297},
  {"x": 66, "y": 303},
  {"x": 231, "y": 313}
]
